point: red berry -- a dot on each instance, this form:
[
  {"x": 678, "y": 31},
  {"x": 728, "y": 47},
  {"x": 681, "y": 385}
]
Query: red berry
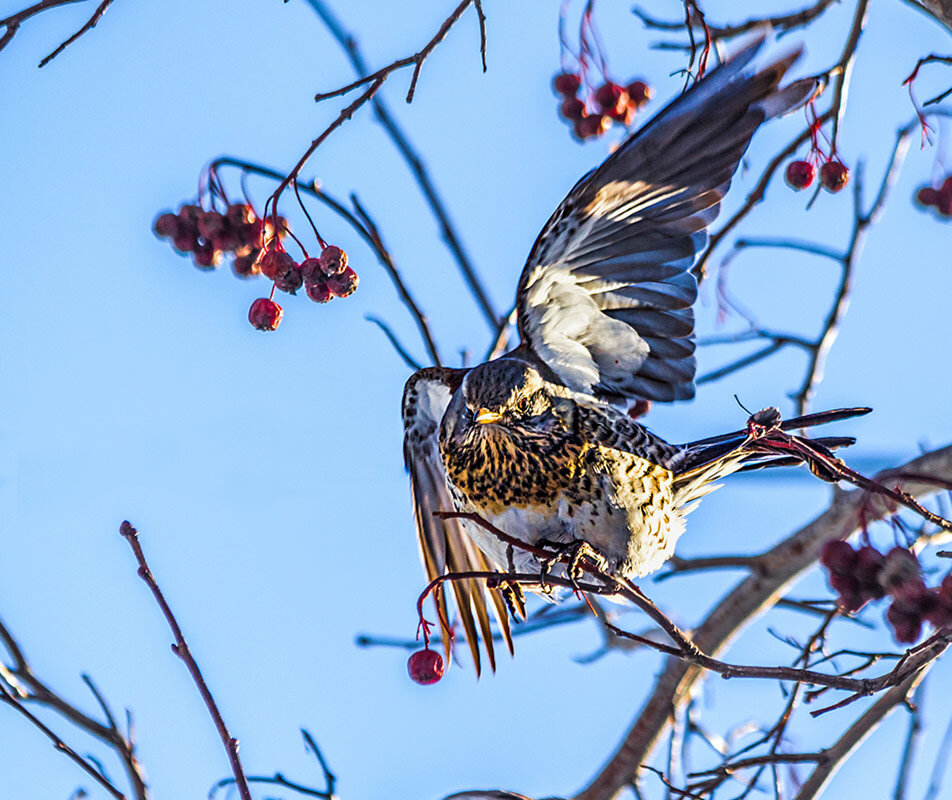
[
  {"x": 189, "y": 215},
  {"x": 319, "y": 291},
  {"x": 927, "y": 196},
  {"x": 344, "y": 284},
  {"x": 867, "y": 568},
  {"x": 245, "y": 266},
  {"x": 900, "y": 571},
  {"x": 333, "y": 260},
  {"x": 572, "y": 109},
  {"x": 166, "y": 225},
  {"x": 624, "y": 116},
  {"x": 944, "y": 202},
  {"x": 311, "y": 270},
  {"x": 639, "y": 93},
  {"x": 275, "y": 264},
  {"x": 592, "y": 126},
  {"x": 425, "y": 667},
  {"x": 185, "y": 241},
  {"x": 611, "y": 98},
  {"x": 799, "y": 174},
  {"x": 834, "y": 176},
  {"x": 249, "y": 234},
  {"x": 265, "y": 314},
  {"x": 907, "y": 627},
  {"x": 290, "y": 281},
  {"x": 211, "y": 224},
  {"x": 837, "y": 556},
  {"x": 206, "y": 257},
  {"x": 945, "y": 588},
  {"x": 239, "y": 214},
  {"x": 567, "y": 84}
]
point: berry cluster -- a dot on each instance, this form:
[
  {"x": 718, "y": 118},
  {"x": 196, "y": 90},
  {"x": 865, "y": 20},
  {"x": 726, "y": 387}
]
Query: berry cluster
[
  {"x": 866, "y": 574},
  {"x": 257, "y": 249},
  {"x": 940, "y": 199},
  {"x": 834, "y": 175},
  {"x": 593, "y": 113},
  {"x": 323, "y": 278},
  {"x": 425, "y": 666},
  {"x": 208, "y": 235}
]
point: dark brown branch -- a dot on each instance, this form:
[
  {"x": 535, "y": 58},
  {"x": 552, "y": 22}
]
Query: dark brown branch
[
  {"x": 181, "y": 649},
  {"x": 754, "y": 198},
  {"x": 12, "y": 23},
  {"x": 684, "y": 648},
  {"x": 414, "y": 160},
  {"x": 91, "y": 23},
  {"x": 416, "y": 60},
  {"x": 366, "y": 229},
  {"x": 862, "y": 222},
  {"x": 930, "y": 59},
  {"x": 912, "y": 740},
  {"x": 750, "y": 598},
  {"x": 834, "y": 756},
  {"x": 840, "y": 73},
  {"x": 781, "y": 23},
  {"x": 395, "y": 343},
  {"x": 59, "y": 744},
  {"x": 30, "y": 689}
]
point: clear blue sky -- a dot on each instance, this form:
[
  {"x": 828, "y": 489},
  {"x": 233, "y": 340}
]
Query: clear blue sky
[{"x": 265, "y": 471}]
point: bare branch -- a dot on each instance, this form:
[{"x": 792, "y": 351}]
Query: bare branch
[
  {"x": 181, "y": 649},
  {"x": 59, "y": 744},
  {"x": 91, "y": 23},
  {"x": 12, "y": 23},
  {"x": 414, "y": 160},
  {"x": 750, "y": 598}
]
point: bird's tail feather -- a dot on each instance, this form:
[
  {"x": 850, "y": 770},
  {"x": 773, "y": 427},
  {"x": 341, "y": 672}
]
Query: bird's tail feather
[{"x": 706, "y": 461}]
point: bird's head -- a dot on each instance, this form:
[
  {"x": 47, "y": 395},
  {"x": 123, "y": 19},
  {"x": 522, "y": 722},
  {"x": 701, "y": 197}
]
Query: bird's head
[{"x": 509, "y": 395}]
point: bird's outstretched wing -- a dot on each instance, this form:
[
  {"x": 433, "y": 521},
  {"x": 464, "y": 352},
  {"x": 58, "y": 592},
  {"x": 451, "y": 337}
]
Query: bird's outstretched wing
[
  {"x": 444, "y": 546},
  {"x": 605, "y": 298}
]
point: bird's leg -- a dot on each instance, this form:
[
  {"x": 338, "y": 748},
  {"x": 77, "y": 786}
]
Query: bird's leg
[
  {"x": 510, "y": 590},
  {"x": 573, "y": 553}
]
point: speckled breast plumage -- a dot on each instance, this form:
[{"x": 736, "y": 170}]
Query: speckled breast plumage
[{"x": 563, "y": 488}]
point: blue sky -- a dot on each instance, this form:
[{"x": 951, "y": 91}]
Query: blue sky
[{"x": 265, "y": 471}]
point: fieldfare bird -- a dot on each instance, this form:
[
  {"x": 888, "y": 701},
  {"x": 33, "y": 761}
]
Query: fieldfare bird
[{"x": 537, "y": 442}]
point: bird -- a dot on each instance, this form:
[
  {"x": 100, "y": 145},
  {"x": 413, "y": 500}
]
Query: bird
[{"x": 537, "y": 442}]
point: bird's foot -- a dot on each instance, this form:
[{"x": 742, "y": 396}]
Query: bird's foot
[
  {"x": 573, "y": 554},
  {"x": 512, "y": 594}
]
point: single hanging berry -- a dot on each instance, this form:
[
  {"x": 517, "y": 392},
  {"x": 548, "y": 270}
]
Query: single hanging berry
[
  {"x": 265, "y": 314},
  {"x": 834, "y": 176},
  {"x": 425, "y": 667},
  {"x": 799, "y": 174},
  {"x": 566, "y": 84}
]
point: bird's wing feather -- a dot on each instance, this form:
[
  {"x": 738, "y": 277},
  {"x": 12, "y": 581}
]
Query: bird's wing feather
[
  {"x": 444, "y": 547},
  {"x": 605, "y": 299}
]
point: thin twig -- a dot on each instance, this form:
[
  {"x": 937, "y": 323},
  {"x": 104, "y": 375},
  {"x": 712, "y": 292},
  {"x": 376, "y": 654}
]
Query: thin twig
[
  {"x": 747, "y": 601},
  {"x": 414, "y": 160},
  {"x": 30, "y": 689},
  {"x": 781, "y": 23},
  {"x": 11, "y": 23},
  {"x": 181, "y": 649},
  {"x": 409, "y": 360},
  {"x": 91, "y": 23},
  {"x": 60, "y": 745},
  {"x": 367, "y": 231}
]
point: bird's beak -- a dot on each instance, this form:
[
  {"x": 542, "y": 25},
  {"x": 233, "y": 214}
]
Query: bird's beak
[{"x": 484, "y": 416}]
